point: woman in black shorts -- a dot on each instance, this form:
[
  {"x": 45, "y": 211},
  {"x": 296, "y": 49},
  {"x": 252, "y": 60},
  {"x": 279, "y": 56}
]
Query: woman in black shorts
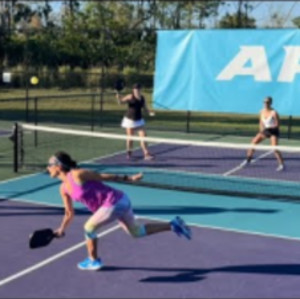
[
  {"x": 133, "y": 119},
  {"x": 269, "y": 128}
]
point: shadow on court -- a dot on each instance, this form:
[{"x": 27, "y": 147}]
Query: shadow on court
[
  {"x": 176, "y": 275},
  {"x": 9, "y": 210},
  {"x": 192, "y": 210}
]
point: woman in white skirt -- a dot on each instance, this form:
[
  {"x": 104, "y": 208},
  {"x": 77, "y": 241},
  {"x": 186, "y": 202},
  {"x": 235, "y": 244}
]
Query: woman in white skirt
[{"x": 133, "y": 119}]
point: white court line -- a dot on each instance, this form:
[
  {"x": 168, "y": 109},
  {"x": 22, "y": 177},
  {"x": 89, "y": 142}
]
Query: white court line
[
  {"x": 253, "y": 161},
  {"x": 52, "y": 258},
  {"x": 245, "y": 232}
]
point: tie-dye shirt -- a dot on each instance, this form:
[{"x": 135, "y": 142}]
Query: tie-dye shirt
[{"x": 93, "y": 194}]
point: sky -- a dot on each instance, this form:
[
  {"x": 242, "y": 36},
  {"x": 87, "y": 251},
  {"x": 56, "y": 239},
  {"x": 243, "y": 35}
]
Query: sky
[{"x": 262, "y": 10}]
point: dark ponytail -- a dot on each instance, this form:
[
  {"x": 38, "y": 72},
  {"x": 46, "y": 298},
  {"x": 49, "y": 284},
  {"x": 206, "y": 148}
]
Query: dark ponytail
[{"x": 65, "y": 160}]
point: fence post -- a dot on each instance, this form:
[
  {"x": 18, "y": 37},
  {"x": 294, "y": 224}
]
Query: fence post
[
  {"x": 16, "y": 148},
  {"x": 188, "y": 119},
  {"x": 290, "y": 127}
]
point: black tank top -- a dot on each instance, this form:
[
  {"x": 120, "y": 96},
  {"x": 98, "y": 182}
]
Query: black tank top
[{"x": 135, "y": 106}]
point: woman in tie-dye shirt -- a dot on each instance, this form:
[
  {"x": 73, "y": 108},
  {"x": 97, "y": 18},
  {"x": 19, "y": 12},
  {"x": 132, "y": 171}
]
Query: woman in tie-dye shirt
[{"x": 105, "y": 202}]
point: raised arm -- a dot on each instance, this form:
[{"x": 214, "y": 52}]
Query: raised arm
[
  {"x": 86, "y": 175},
  {"x": 123, "y": 99}
]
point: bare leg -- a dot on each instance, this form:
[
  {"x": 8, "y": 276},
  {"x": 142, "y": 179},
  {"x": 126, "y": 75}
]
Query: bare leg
[
  {"x": 101, "y": 217},
  {"x": 142, "y": 133},
  {"x": 154, "y": 228},
  {"x": 177, "y": 225},
  {"x": 257, "y": 139},
  {"x": 150, "y": 228},
  {"x": 91, "y": 245},
  {"x": 129, "y": 141},
  {"x": 274, "y": 142}
]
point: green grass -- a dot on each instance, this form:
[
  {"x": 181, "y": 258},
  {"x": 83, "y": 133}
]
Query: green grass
[{"x": 73, "y": 108}]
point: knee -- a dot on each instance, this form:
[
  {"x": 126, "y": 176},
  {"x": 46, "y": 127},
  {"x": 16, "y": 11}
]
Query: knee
[
  {"x": 138, "y": 231},
  {"x": 256, "y": 139},
  {"x": 89, "y": 231}
]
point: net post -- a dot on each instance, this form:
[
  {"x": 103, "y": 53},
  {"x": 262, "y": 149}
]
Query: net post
[
  {"x": 290, "y": 127},
  {"x": 15, "y": 141},
  {"x": 188, "y": 120}
]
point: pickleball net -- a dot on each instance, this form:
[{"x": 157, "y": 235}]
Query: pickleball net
[{"x": 183, "y": 165}]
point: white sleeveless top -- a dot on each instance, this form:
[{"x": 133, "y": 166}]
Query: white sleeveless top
[{"x": 270, "y": 121}]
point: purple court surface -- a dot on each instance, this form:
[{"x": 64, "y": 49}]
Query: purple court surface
[
  {"x": 5, "y": 133},
  {"x": 215, "y": 264},
  {"x": 212, "y": 161}
]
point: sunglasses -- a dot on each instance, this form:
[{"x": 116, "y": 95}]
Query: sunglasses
[{"x": 52, "y": 164}]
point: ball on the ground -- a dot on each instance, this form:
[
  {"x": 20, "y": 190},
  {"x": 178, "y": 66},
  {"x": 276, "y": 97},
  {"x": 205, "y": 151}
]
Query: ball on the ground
[{"x": 34, "y": 80}]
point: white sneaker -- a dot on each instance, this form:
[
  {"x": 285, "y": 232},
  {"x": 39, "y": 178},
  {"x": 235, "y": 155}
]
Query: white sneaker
[{"x": 280, "y": 167}]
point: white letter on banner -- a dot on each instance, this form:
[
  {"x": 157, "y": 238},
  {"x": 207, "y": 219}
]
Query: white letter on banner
[
  {"x": 259, "y": 69},
  {"x": 290, "y": 65}
]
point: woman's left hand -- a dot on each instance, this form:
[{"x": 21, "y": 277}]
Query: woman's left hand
[
  {"x": 59, "y": 233},
  {"x": 136, "y": 177}
]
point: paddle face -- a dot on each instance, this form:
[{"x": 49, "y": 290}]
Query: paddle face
[
  {"x": 119, "y": 85},
  {"x": 41, "y": 238}
]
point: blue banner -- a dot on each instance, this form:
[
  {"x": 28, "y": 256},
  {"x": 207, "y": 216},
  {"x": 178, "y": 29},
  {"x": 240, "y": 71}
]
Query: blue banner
[{"x": 228, "y": 70}]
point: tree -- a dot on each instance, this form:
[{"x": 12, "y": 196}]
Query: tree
[
  {"x": 276, "y": 20},
  {"x": 296, "y": 22},
  {"x": 237, "y": 21}
]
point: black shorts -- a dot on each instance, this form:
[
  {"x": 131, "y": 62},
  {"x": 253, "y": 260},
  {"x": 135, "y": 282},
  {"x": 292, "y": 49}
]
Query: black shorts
[{"x": 271, "y": 132}]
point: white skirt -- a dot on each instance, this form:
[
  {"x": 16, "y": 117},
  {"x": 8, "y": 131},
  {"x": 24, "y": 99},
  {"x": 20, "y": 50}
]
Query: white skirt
[{"x": 128, "y": 123}]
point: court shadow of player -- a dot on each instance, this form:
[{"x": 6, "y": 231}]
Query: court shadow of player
[
  {"x": 185, "y": 210},
  {"x": 184, "y": 275},
  {"x": 8, "y": 209}
]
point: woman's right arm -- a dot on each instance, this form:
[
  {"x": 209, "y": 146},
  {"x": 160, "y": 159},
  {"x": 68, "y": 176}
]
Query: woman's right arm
[
  {"x": 69, "y": 212},
  {"x": 123, "y": 99},
  {"x": 85, "y": 175}
]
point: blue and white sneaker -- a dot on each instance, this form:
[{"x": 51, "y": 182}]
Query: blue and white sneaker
[
  {"x": 89, "y": 264},
  {"x": 180, "y": 228}
]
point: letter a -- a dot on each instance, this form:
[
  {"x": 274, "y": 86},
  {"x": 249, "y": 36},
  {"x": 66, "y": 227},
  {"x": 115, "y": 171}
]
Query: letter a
[
  {"x": 259, "y": 68},
  {"x": 290, "y": 66}
]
